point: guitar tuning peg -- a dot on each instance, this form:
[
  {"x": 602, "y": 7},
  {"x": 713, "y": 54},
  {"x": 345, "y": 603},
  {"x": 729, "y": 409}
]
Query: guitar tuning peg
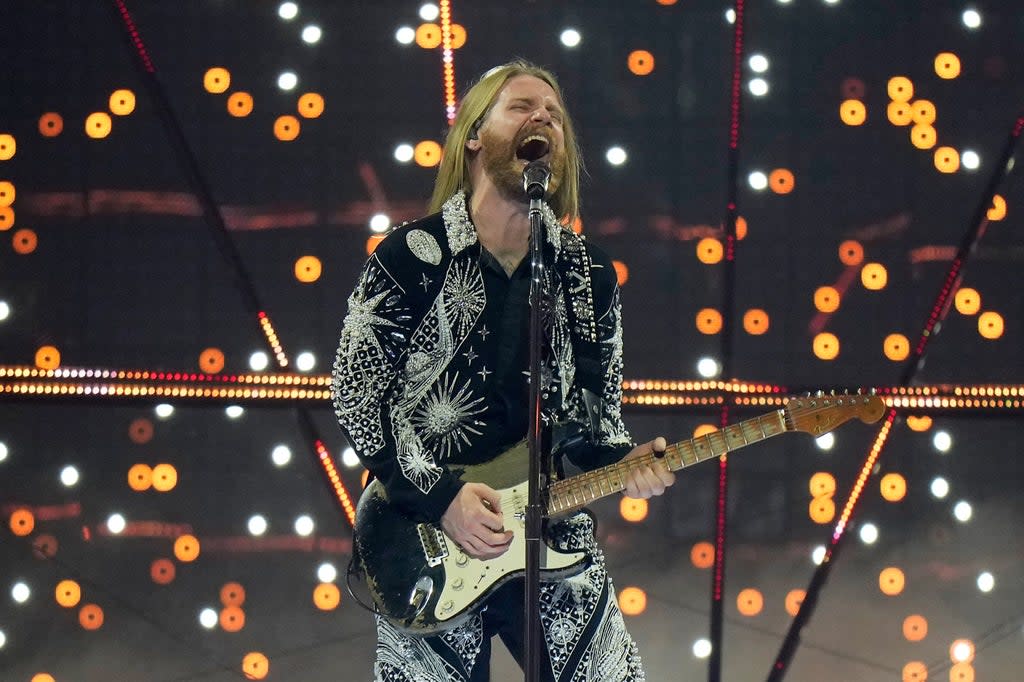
[
  {"x": 859, "y": 391},
  {"x": 833, "y": 391},
  {"x": 820, "y": 393}
]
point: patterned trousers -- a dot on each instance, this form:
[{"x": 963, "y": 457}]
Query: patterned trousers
[{"x": 584, "y": 634}]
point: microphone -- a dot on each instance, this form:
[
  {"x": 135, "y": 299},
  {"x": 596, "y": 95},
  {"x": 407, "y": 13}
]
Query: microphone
[{"x": 536, "y": 177}]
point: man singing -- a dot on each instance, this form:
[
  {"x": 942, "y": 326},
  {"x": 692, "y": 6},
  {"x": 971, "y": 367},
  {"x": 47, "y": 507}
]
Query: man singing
[{"x": 432, "y": 372}]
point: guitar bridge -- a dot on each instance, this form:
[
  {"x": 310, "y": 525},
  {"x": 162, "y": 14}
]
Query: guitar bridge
[{"x": 435, "y": 549}]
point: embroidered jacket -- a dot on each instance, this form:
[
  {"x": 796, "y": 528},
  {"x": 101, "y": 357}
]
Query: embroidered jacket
[{"x": 411, "y": 375}]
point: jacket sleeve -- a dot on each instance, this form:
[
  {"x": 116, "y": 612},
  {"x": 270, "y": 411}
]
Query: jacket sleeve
[
  {"x": 612, "y": 441},
  {"x": 366, "y": 387}
]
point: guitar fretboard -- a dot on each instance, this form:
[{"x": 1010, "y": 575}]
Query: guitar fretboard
[{"x": 578, "y": 491}]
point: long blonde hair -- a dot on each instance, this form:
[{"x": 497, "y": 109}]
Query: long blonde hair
[{"x": 453, "y": 173}]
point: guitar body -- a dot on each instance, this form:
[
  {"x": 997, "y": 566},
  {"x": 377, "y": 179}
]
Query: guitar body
[{"x": 420, "y": 580}]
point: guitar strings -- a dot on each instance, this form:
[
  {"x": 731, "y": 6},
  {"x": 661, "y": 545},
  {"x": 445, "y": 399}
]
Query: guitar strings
[{"x": 563, "y": 487}]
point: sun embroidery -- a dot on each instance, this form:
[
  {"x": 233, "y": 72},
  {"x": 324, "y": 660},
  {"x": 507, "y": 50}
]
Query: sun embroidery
[
  {"x": 463, "y": 296},
  {"x": 445, "y": 420}
]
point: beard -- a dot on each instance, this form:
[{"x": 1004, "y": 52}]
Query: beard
[{"x": 505, "y": 169}]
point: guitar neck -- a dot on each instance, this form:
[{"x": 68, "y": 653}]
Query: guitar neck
[{"x": 578, "y": 491}]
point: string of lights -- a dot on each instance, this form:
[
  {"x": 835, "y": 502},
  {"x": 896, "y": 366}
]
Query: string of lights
[
  {"x": 26, "y": 383},
  {"x": 728, "y": 307}
]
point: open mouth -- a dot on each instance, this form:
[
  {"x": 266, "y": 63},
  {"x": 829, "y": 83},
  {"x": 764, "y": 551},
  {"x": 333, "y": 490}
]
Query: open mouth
[{"x": 532, "y": 148}]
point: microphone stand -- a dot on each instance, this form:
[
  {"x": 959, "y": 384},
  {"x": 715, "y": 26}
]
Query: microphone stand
[{"x": 535, "y": 183}]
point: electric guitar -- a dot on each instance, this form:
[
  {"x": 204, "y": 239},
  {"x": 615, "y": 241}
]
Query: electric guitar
[{"x": 422, "y": 582}]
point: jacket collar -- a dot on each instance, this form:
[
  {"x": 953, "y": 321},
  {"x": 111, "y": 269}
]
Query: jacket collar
[{"x": 462, "y": 234}]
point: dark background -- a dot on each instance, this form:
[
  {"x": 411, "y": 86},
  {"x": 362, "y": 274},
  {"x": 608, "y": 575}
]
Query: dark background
[{"x": 117, "y": 285}]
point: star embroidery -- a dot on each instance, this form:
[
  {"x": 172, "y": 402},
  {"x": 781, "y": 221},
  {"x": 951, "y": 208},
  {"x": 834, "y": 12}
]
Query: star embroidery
[
  {"x": 362, "y": 318},
  {"x": 484, "y": 332},
  {"x": 470, "y": 356},
  {"x": 425, "y": 282},
  {"x": 484, "y": 372}
]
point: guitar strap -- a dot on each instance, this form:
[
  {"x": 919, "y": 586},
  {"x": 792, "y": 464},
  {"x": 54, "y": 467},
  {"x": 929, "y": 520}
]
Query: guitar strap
[{"x": 574, "y": 267}]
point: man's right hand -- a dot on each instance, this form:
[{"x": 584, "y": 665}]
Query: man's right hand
[{"x": 475, "y": 522}]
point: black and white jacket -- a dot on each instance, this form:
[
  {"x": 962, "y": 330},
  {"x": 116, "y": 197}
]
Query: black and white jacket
[{"x": 411, "y": 374}]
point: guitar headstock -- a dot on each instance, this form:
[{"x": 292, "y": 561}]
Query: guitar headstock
[{"x": 818, "y": 414}]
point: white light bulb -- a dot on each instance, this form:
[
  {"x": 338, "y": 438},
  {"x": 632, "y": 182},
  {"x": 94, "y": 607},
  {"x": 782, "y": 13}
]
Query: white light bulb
[
  {"x": 429, "y": 11},
  {"x": 963, "y": 511},
  {"x": 3, "y": 639},
  {"x": 234, "y": 411},
  {"x": 730, "y": 15},
  {"x": 708, "y": 367},
  {"x": 758, "y": 63},
  {"x": 69, "y": 476},
  {"x": 970, "y": 159},
  {"x": 164, "y": 410},
  {"x": 305, "y": 361},
  {"x": 311, "y": 34},
  {"x": 380, "y": 223},
  {"x": 116, "y": 524},
  {"x": 942, "y": 441},
  {"x": 757, "y": 180},
  {"x": 208, "y": 618},
  {"x": 281, "y": 455},
  {"x": 405, "y": 35},
  {"x": 971, "y": 18},
  {"x": 986, "y": 581},
  {"x": 287, "y": 80},
  {"x": 20, "y": 592},
  {"x": 818, "y": 555},
  {"x": 758, "y": 87},
  {"x": 304, "y": 525},
  {"x": 3, "y": 451},
  {"x": 287, "y": 10},
  {"x": 616, "y": 156},
  {"x": 5, "y": 310},
  {"x": 869, "y": 533},
  {"x": 258, "y": 361},
  {"x": 257, "y": 525},
  {"x": 940, "y": 487},
  {"x": 570, "y": 37},
  {"x": 326, "y": 573},
  {"x": 961, "y": 652},
  {"x": 702, "y": 648},
  {"x": 404, "y": 153}
]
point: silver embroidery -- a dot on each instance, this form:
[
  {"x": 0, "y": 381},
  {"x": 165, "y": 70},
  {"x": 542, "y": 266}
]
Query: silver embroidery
[
  {"x": 450, "y": 319},
  {"x": 424, "y": 246},
  {"x": 466, "y": 641},
  {"x": 612, "y": 656},
  {"x": 567, "y": 608},
  {"x": 464, "y": 296},
  {"x": 462, "y": 234},
  {"x": 445, "y": 417},
  {"x": 457, "y": 225},
  {"x": 613, "y": 429},
  {"x": 363, "y": 367},
  {"x": 563, "y": 631},
  {"x": 401, "y": 658}
]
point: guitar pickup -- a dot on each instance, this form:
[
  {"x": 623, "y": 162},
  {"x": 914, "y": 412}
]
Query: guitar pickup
[{"x": 435, "y": 549}]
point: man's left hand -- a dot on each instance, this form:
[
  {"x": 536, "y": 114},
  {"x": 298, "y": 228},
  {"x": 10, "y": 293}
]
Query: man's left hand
[{"x": 648, "y": 480}]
